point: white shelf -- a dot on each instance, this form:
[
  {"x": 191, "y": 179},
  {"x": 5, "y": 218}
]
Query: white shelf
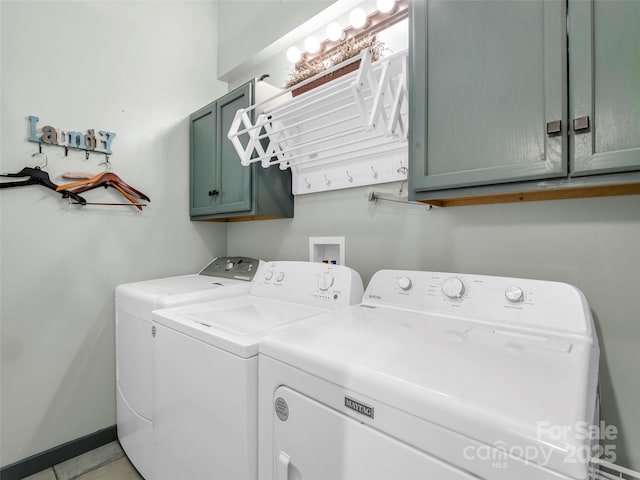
[{"x": 348, "y": 132}]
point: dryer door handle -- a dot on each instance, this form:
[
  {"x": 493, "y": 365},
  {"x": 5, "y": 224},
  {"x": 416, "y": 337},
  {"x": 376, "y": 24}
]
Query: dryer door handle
[{"x": 282, "y": 467}]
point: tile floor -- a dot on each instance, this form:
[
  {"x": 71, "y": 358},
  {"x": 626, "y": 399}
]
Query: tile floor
[{"x": 104, "y": 463}]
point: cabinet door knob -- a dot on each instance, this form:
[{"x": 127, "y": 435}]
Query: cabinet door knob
[
  {"x": 580, "y": 124},
  {"x": 213, "y": 193},
  {"x": 554, "y": 127}
]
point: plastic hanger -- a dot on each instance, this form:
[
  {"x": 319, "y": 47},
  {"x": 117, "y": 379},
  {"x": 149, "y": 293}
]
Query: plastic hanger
[{"x": 37, "y": 176}]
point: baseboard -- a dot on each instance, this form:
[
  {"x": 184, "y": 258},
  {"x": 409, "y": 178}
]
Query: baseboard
[{"x": 56, "y": 455}]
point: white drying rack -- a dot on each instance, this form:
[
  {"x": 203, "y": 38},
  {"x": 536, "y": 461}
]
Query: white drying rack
[
  {"x": 348, "y": 132},
  {"x": 601, "y": 470}
]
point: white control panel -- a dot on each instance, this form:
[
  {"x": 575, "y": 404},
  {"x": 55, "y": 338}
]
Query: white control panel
[
  {"x": 311, "y": 283},
  {"x": 512, "y": 302}
]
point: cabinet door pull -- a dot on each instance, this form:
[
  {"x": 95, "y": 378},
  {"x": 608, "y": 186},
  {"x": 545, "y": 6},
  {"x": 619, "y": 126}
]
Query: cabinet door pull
[
  {"x": 213, "y": 193},
  {"x": 580, "y": 124},
  {"x": 554, "y": 127}
]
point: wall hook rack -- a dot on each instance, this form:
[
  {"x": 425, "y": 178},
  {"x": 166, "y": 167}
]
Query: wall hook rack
[{"x": 91, "y": 140}]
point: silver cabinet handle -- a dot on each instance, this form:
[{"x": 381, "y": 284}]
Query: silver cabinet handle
[
  {"x": 554, "y": 127},
  {"x": 581, "y": 124}
]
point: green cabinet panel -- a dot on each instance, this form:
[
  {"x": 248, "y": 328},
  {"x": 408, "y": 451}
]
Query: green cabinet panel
[
  {"x": 486, "y": 76},
  {"x": 604, "y": 61},
  {"x": 235, "y": 180},
  {"x": 202, "y": 175},
  {"x": 221, "y": 188}
]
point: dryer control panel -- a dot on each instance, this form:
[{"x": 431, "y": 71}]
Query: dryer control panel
[
  {"x": 309, "y": 283},
  {"x": 239, "y": 268},
  {"x": 510, "y": 302}
]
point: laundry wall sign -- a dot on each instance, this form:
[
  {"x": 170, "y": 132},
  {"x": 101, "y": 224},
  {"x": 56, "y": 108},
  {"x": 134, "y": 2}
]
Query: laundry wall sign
[{"x": 89, "y": 140}]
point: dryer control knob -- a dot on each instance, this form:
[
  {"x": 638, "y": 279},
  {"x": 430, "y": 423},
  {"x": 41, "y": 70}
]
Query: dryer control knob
[
  {"x": 229, "y": 265},
  {"x": 280, "y": 277},
  {"x": 514, "y": 294},
  {"x": 268, "y": 275},
  {"x": 405, "y": 283},
  {"x": 453, "y": 287},
  {"x": 325, "y": 281}
]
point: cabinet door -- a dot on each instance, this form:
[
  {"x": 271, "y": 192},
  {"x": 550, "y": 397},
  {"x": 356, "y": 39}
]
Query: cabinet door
[
  {"x": 604, "y": 63},
  {"x": 486, "y": 76},
  {"x": 234, "y": 179},
  {"x": 202, "y": 170}
]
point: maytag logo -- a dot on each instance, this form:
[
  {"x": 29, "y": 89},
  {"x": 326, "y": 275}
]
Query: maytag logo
[{"x": 358, "y": 407}]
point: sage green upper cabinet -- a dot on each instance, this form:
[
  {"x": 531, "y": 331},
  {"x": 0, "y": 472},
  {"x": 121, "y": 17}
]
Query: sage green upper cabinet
[
  {"x": 488, "y": 92},
  {"x": 604, "y": 61},
  {"x": 221, "y": 188}
]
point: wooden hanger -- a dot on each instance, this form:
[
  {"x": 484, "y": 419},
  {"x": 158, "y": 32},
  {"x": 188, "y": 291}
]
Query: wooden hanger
[{"x": 107, "y": 179}]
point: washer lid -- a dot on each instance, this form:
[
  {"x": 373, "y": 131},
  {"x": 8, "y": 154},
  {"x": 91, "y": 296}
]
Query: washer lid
[
  {"x": 235, "y": 324},
  {"x": 499, "y": 386},
  {"x": 141, "y": 298}
]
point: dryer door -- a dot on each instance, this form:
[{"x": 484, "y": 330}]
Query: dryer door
[{"x": 314, "y": 442}]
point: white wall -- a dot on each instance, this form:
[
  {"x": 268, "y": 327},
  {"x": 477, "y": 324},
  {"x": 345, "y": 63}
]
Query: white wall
[
  {"x": 251, "y": 25},
  {"x": 136, "y": 68}
]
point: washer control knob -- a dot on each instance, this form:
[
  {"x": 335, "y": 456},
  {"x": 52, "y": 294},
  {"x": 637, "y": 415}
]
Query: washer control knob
[
  {"x": 280, "y": 277},
  {"x": 453, "y": 287},
  {"x": 405, "y": 283},
  {"x": 268, "y": 275},
  {"x": 325, "y": 281},
  {"x": 229, "y": 265},
  {"x": 514, "y": 294}
]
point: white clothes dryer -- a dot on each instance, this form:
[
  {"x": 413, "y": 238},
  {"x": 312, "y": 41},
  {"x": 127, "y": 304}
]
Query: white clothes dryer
[
  {"x": 223, "y": 277},
  {"x": 205, "y": 398},
  {"x": 434, "y": 375}
]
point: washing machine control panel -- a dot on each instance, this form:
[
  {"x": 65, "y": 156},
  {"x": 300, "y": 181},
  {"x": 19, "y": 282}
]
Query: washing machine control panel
[
  {"x": 484, "y": 299},
  {"x": 238, "y": 268},
  {"x": 330, "y": 286}
]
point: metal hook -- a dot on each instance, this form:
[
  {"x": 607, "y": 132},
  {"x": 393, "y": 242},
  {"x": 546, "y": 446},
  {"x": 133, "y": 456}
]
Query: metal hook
[
  {"x": 327, "y": 181},
  {"x": 375, "y": 174},
  {"x": 349, "y": 177},
  {"x": 402, "y": 170},
  {"x": 46, "y": 159},
  {"x": 86, "y": 154},
  {"x": 307, "y": 182},
  {"x": 106, "y": 163}
]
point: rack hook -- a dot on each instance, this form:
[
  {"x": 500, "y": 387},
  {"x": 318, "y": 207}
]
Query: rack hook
[
  {"x": 106, "y": 163},
  {"x": 327, "y": 181},
  {"x": 86, "y": 154},
  {"x": 349, "y": 177},
  {"x": 46, "y": 159},
  {"x": 375, "y": 174},
  {"x": 307, "y": 182}
]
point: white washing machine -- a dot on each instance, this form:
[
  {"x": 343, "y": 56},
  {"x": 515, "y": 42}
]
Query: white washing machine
[
  {"x": 206, "y": 367},
  {"x": 435, "y": 376},
  {"x": 223, "y": 277}
]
